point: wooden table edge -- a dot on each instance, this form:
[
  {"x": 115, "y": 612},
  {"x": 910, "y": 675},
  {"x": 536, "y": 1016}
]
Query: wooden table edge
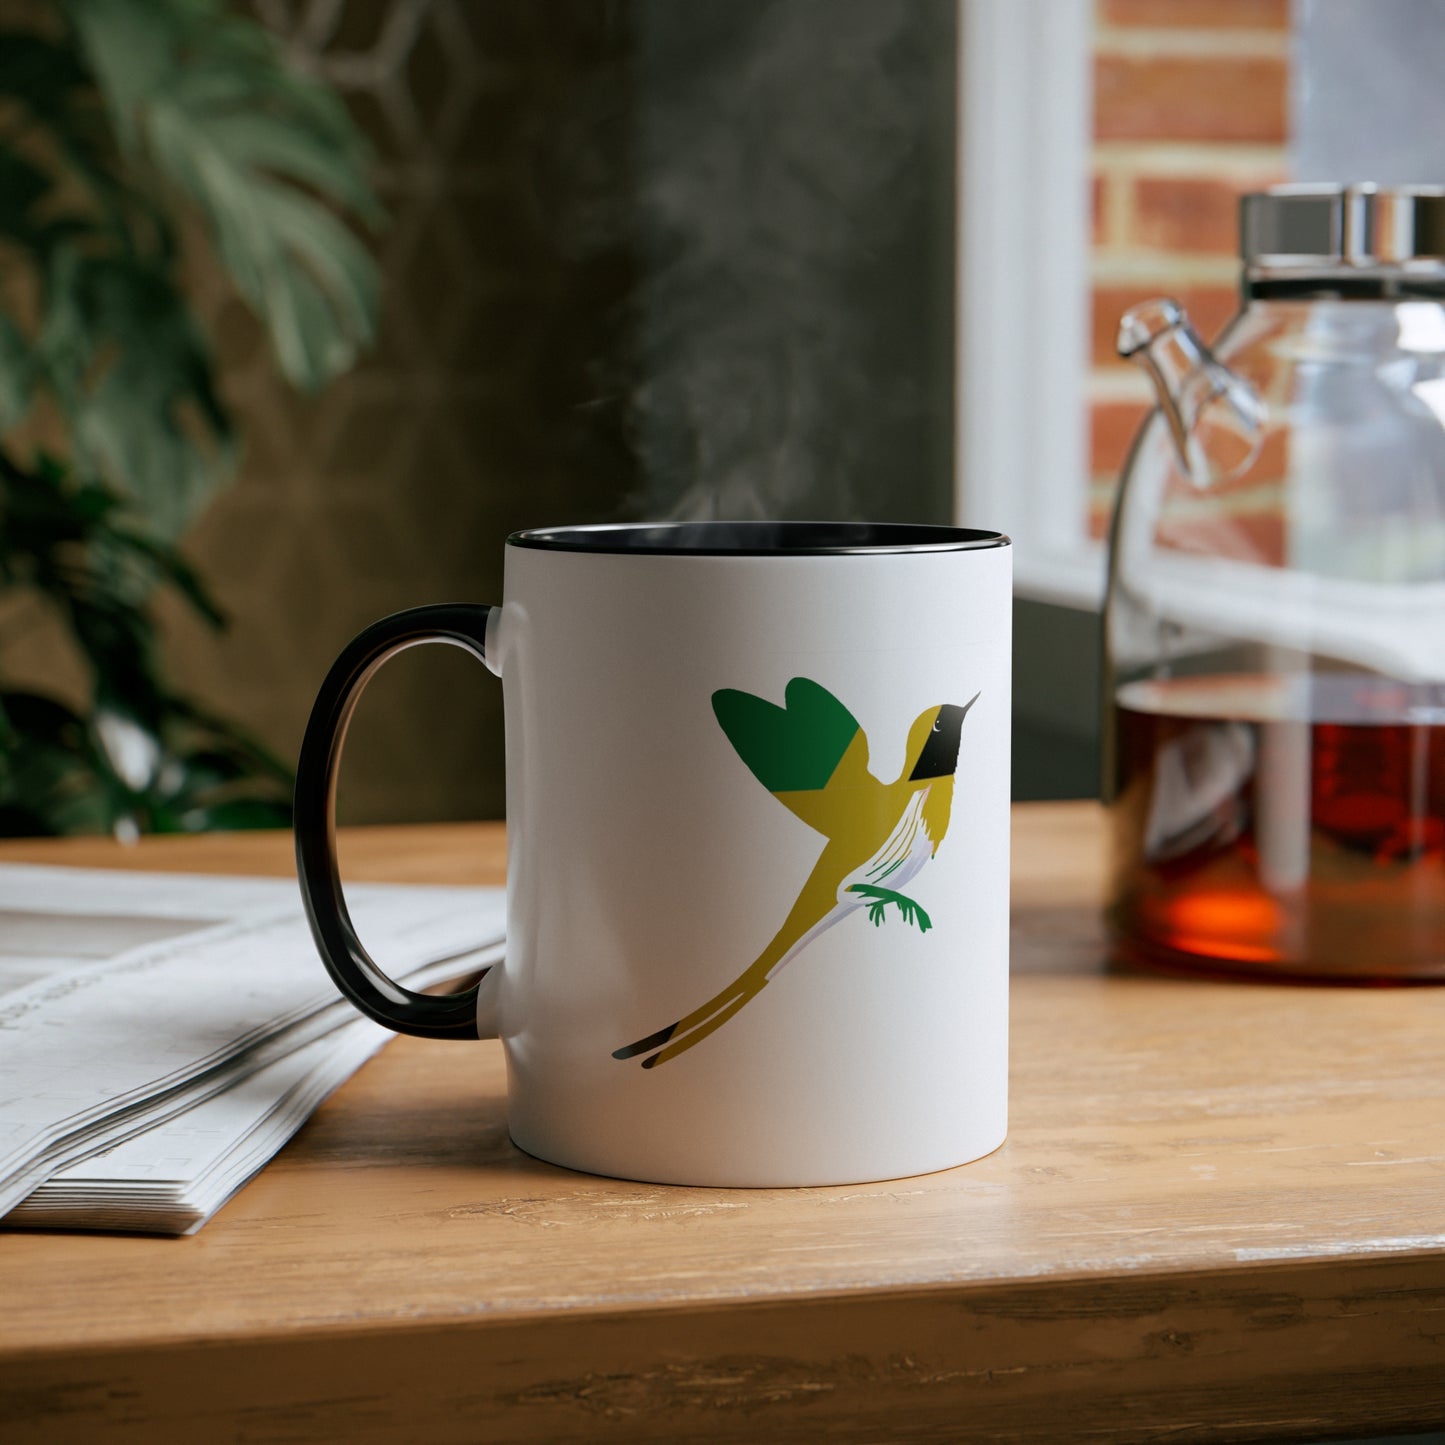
[{"x": 941, "y": 1362}]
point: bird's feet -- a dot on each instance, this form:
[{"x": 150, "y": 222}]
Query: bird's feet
[{"x": 880, "y": 898}]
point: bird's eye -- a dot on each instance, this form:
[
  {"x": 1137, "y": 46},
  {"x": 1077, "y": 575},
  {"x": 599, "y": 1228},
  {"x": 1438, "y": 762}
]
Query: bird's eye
[{"x": 935, "y": 725}]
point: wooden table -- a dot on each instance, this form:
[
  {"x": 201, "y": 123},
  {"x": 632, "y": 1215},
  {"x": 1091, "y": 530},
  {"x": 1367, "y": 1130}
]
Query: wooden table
[{"x": 1220, "y": 1214}]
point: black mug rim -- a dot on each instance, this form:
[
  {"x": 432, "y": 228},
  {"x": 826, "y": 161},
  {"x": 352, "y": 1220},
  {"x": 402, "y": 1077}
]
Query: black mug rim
[{"x": 756, "y": 539}]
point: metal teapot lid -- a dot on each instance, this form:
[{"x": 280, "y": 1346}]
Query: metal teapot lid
[{"x": 1328, "y": 228}]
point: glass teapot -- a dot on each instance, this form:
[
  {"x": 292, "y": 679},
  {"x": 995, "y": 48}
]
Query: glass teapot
[{"x": 1275, "y": 623}]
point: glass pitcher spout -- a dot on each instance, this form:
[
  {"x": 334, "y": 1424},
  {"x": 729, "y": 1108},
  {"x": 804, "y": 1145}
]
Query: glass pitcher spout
[{"x": 1216, "y": 418}]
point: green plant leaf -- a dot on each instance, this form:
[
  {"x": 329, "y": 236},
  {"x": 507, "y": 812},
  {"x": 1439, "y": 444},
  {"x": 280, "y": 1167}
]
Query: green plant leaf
[
  {"x": 170, "y": 566},
  {"x": 206, "y": 99},
  {"x": 133, "y": 376},
  {"x": 128, "y": 46},
  {"x": 40, "y": 74},
  {"x": 16, "y": 374},
  {"x": 59, "y": 774},
  {"x": 22, "y": 186},
  {"x": 49, "y": 783},
  {"x": 72, "y": 544},
  {"x": 47, "y": 80}
]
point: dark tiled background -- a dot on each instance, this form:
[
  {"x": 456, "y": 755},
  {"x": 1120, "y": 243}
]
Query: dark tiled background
[{"x": 646, "y": 257}]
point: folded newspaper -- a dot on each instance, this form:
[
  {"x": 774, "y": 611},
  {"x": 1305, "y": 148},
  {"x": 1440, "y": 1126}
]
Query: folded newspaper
[{"x": 162, "y": 1034}]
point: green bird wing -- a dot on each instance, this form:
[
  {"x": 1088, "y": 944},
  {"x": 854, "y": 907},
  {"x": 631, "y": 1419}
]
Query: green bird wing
[{"x": 807, "y": 753}]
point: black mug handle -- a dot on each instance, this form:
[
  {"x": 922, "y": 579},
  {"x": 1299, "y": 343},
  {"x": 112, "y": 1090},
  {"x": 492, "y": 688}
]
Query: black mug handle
[{"x": 356, "y": 974}]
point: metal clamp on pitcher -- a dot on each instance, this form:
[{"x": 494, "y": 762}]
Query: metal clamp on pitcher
[{"x": 1275, "y": 625}]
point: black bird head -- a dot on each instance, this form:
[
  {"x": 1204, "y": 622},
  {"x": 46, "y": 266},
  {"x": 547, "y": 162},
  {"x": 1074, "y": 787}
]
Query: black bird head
[{"x": 938, "y": 758}]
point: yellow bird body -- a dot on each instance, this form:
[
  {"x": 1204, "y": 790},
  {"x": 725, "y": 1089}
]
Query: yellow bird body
[{"x": 879, "y": 835}]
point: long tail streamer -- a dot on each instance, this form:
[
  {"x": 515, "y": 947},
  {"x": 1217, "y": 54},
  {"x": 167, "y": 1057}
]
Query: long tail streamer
[{"x": 679, "y": 1037}]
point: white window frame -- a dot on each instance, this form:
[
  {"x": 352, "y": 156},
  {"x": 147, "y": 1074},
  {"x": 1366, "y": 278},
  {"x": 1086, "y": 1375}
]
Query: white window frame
[{"x": 1025, "y": 127}]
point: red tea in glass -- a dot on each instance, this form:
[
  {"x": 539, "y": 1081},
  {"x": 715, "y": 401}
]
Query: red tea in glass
[{"x": 1288, "y": 826}]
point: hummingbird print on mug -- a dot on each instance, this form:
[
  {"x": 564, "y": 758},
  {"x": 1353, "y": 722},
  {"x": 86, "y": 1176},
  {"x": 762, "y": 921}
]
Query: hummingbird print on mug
[{"x": 812, "y": 756}]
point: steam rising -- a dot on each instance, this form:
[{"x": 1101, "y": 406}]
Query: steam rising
[{"x": 793, "y": 221}]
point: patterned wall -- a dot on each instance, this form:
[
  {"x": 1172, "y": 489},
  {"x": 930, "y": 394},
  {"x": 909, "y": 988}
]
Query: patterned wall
[
  {"x": 630, "y": 240},
  {"x": 645, "y": 257},
  {"x": 477, "y": 414}
]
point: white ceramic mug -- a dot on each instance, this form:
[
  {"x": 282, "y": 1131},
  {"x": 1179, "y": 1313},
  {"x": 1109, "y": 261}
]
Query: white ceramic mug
[{"x": 757, "y": 847}]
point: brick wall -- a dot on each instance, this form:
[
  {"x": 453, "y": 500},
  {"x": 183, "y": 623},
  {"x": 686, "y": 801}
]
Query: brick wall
[{"x": 1190, "y": 111}]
